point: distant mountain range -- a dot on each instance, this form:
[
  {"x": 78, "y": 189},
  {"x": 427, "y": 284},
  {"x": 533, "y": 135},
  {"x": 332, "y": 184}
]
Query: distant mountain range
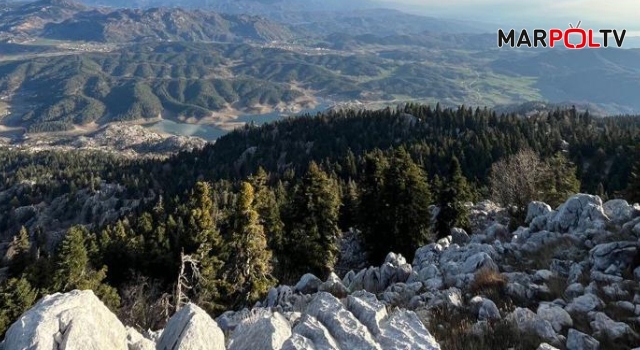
[
  {"x": 66, "y": 66},
  {"x": 67, "y": 20}
]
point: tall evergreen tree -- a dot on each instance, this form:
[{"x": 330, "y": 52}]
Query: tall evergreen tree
[
  {"x": 16, "y": 296},
  {"x": 22, "y": 257},
  {"x": 74, "y": 271},
  {"x": 562, "y": 180},
  {"x": 312, "y": 226},
  {"x": 452, "y": 196},
  {"x": 204, "y": 238},
  {"x": 407, "y": 197},
  {"x": 633, "y": 187},
  {"x": 249, "y": 264},
  {"x": 266, "y": 205}
]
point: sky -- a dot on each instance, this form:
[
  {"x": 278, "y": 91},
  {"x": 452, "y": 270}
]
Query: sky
[{"x": 595, "y": 14}]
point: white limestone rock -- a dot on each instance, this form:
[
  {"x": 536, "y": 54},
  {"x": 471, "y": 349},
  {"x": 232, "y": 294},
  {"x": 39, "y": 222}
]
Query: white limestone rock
[
  {"x": 527, "y": 321},
  {"x": 191, "y": 328},
  {"x": 366, "y": 308},
  {"x": 584, "y": 304},
  {"x": 310, "y": 328},
  {"x": 403, "y": 330},
  {"x": 577, "y": 340},
  {"x": 308, "y": 284},
  {"x": 77, "y": 320},
  {"x": 579, "y": 213},
  {"x": 298, "y": 342},
  {"x": 263, "y": 332},
  {"x": 556, "y": 315},
  {"x": 346, "y": 329}
]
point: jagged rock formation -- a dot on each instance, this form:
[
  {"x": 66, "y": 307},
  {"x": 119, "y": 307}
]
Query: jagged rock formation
[
  {"x": 76, "y": 320},
  {"x": 571, "y": 276}
]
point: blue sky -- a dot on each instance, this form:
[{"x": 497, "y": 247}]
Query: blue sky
[{"x": 595, "y": 14}]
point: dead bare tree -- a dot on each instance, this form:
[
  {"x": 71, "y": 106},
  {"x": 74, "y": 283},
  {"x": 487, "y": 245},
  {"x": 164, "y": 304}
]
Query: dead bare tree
[
  {"x": 187, "y": 278},
  {"x": 518, "y": 179}
]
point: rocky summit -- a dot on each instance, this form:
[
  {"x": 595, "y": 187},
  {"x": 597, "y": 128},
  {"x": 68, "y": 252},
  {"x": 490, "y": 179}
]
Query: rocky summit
[{"x": 570, "y": 280}]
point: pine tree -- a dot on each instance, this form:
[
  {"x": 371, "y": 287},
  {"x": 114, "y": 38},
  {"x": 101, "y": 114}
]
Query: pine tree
[
  {"x": 266, "y": 205},
  {"x": 406, "y": 197},
  {"x": 562, "y": 181},
  {"x": 21, "y": 247},
  {"x": 16, "y": 296},
  {"x": 249, "y": 266},
  {"x": 313, "y": 232},
  {"x": 633, "y": 188},
  {"x": 373, "y": 220},
  {"x": 452, "y": 196},
  {"x": 204, "y": 238},
  {"x": 74, "y": 271}
]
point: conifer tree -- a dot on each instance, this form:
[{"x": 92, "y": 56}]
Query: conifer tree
[
  {"x": 313, "y": 232},
  {"x": 249, "y": 265},
  {"x": 74, "y": 271},
  {"x": 562, "y": 181},
  {"x": 22, "y": 252},
  {"x": 266, "y": 205},
  {"x": 204, "y": 238},
  {"x": 452, "y": 196},
  {"x": 16, "y": 296},
  {"x": 406, "y": 197},
  {"x": 633, "y": 189}
]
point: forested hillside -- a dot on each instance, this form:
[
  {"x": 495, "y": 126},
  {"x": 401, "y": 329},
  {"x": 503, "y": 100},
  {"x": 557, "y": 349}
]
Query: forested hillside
[{"x": 269, "y": 203}]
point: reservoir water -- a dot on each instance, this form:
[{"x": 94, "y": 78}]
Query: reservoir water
[{"x": 211, "y": 132}]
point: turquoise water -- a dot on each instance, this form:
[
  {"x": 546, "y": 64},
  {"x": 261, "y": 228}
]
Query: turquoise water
[{"x": 211, "y": 132}]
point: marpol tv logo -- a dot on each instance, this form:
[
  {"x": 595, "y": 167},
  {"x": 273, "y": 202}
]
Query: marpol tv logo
[{"x": 571, "y": 38}]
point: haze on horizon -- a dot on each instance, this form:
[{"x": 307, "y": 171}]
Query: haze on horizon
[{"x": 621, "y": 14}]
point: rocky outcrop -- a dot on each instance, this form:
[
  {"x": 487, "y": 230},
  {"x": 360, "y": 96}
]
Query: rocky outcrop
[
  {"x": 191, "y": 328},
  {"x": 75, "y": 320},
  {"x": 570, "y": 278}
]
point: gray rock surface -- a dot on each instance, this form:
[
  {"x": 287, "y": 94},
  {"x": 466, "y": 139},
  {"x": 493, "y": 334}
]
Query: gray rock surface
[
  {"x": 577, "y": 340},
  {"x": 191, "y": 328},
  {"x": 262, "y": 332},
  {"x": 72, "y": 321}
]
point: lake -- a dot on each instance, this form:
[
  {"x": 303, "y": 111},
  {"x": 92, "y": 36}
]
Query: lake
[{"x": 211, "y": 132}]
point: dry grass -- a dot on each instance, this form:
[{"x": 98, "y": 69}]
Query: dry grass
[
  {"x": 454, "y": 331},
  {"x": 489, "y": 283},
  {"x": 557, "y": 286}
]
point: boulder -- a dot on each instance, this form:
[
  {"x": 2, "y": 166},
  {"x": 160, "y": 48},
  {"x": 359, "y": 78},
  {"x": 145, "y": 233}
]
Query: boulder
[
  {"x": 280, "y": 296},
  {"x": 619, "y": 211},
  {"x": 366, "y": 308},
  {"x": 310, "y": 328},
  {"x": 298, "y": 342},
  {"x": 537, "y": 209},
  {"x": 137, "y": 341},
  {"x": 372, "y": 281},
  {"x": 395, "y": 259},
  {"x": 545, "y": 346},
  {"x": 579, "y": 213},
  {"x": 334, "y": 286},
  {"x": 70, "y": 321},
  {"x": 584, "y": 303},
  {"x": 189, "y": 329},
  {"x": 573, "y": 291},
  {"x": 556, "y": 315},
  {"x": 459, "y": 236},
  {"x": 308, "y": 284},
  {"x": 403, "y": 330},
  {"x": 528, "y": 322},
  {"x": 619, "y": 254},
  {"x": 261, "y": 332},
  {"x": 497, "y": 232},
  {"x": 485, "y": 309},
  {"x": 602, "y": 325},
  {"x": 346, "y": 329},
  {"x": 577, "y": 340}
]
